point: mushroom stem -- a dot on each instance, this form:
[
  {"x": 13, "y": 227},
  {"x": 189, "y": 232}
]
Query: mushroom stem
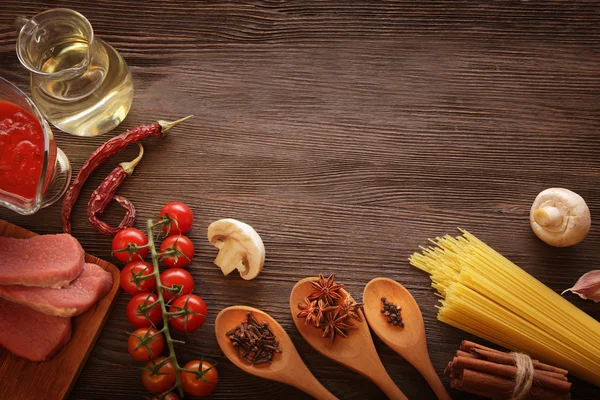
[
  {"x": 228, "y": 259},
  {"x": 548, "y": 216}
]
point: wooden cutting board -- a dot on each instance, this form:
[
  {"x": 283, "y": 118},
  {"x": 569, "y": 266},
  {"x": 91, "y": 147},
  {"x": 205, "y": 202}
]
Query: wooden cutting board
[{"x": 21, "y": 379}]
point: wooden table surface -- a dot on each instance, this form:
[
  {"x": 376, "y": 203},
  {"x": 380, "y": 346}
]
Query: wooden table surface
[{"x": 346, "y": 135}]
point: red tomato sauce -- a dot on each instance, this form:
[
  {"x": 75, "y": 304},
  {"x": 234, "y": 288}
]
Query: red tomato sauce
[{"x": 21, "y": 150}]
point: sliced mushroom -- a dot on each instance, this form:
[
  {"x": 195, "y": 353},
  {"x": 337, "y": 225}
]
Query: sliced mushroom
[
  {"x": 560, "y": 217},
  {"x": 240, "y": 247}
]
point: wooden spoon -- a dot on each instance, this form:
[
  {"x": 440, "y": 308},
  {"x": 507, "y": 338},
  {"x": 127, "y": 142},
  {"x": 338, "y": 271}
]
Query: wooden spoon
[
  {"x": 287, "y": 366},
  {"x": 410, "y": 342},
  {"x": 356, "y": 351}
]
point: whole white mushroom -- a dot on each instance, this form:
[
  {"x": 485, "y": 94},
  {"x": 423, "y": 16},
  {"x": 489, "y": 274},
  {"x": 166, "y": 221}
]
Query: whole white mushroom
[
  {"x": 560, "y": 217},
  {"x": 240, "y": 247}
]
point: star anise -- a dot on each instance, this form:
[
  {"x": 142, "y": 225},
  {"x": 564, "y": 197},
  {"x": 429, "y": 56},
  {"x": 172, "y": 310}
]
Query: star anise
[
  {"x": 308, "y": 310},
  {"x": 321, "y": 310},
  {"x": 350, "y": 308},
  {"x": 335, "y": 324},
  {"x": 326, "y": 289}
]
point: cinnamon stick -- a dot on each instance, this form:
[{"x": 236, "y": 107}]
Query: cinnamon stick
[
  {"x": 465, "y": 354},
  {"x": 505, "y": 358},
  {"x": 508, "y": 359},
  {"x": 496, "y": 387},
  {"x": 510, "y": 371},
  {"x": 491, "y": 373}
]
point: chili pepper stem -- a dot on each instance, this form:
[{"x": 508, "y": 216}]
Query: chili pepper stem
[
  {"x": 129, "y": 166},
  {"x": 163, "y": 307},
  {"x": 168, "y": 125}
]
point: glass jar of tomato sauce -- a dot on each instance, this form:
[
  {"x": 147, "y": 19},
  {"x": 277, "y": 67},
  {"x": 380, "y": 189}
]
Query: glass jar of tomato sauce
[{"x": 34, "y": 173}]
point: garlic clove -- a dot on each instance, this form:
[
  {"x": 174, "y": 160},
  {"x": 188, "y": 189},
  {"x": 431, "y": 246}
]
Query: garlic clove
[{"x": 588, "y": 286}]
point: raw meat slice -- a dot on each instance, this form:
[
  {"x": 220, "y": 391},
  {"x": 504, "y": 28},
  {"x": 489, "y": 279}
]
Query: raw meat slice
[
  {"x": 31, "y": 334},
  {"x": 43, "y": 261},
  {"x": 90, "y": 286}
]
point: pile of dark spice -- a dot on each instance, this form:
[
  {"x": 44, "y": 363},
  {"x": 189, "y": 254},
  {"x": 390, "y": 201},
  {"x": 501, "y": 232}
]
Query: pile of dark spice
[
  {"x": 255, "y": 342},
  {"x": 325, "y": 308},
  {"x": 392, "y": 312}
]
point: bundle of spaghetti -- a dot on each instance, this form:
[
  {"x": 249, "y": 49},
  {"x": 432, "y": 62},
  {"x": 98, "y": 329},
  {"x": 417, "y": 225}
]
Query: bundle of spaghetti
[{"x": 485, "y": 294}]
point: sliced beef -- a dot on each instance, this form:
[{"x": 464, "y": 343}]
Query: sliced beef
[
  {"x": 31, "y": 334},
  {"x": 90, "y": 286},
  {"x": 43, "y": 261}
]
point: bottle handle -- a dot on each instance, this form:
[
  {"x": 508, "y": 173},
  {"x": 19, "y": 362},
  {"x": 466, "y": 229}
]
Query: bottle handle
[{"x": 20, "y": 22}]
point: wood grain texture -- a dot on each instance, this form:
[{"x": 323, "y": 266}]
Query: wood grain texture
[
  {"x": 346, "y": 134},
  {"x": 53, "y": 379}
]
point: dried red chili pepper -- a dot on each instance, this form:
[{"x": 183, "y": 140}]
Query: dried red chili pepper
[
  {"x": 101, "y": 154},
  {"x": 106, "y": 192}
]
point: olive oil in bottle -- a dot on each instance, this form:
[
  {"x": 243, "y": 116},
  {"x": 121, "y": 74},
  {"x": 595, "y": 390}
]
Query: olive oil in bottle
[{"x": 80, "y": 83}]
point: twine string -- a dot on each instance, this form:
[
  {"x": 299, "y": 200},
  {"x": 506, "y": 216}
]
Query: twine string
[{"x": 524, "y": 378}]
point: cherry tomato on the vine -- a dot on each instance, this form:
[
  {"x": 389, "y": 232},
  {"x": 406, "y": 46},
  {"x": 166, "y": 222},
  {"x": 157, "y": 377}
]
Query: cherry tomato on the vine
[
  {"x": 176, "y": 277},
  {"x": 168, "y": 396},
  {"x": 161, "y": 381},
  {"x": 181, "y": 213},
  {"x": 203, "y": 385},
  {"x": 136, "y": 277},
  {"x": 145, "y": 344},
  {"x": 193, "y": 315},
  {"x": 126, "y": 237},
  {"x": 182, "y": 244},
  {"x": 137, "y": 317}
]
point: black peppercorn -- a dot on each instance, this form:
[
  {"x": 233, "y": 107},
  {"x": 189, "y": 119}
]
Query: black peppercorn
[{"x": 392, "y": 312}]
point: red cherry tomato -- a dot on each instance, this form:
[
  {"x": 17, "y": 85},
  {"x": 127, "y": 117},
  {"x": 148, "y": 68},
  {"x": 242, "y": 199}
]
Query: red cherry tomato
[
  {"x": 153, "y": 344},
  {"x": 136, "y": 277},
  {"x": 195, "y": 313},
  {"x": 181, "y": 243},
  {"x": 136, "y": 316},
  {"x": 176, "y": 277},
  {"x": 199, "y": 386},
  {"x": 158, "y": 382},
  {"x": 181, "y": 213},
  {"x": 129, "y": 237}
]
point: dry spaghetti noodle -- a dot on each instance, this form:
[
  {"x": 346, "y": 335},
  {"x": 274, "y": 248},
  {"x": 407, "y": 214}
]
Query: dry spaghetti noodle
[{"x": 485, "y": 294}]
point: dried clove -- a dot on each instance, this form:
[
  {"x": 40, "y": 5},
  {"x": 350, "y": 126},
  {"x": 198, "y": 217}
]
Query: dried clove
[{"x": 255, "y": 342}]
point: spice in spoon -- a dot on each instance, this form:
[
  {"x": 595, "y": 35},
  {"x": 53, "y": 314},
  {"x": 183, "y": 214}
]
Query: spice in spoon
[
  {"x": 328, "y": 309},
  {"x": 255, "y": 342},
  {"x": 392, "y": 313}
]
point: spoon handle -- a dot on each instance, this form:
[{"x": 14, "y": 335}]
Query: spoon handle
[
  {"x": 432, "y": 378},
  {"x": 319, "y": 393},
  {"x": 310, "y": 385},
  {"x": 379, "y": 376}
]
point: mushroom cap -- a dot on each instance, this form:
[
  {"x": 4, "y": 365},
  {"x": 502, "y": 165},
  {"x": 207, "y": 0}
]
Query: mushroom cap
[
  {"x": 245, "y": 248},
  {"x": 576, "y": 220}
]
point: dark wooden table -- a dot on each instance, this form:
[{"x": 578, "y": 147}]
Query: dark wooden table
[{"x": 346, "y": 135}]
